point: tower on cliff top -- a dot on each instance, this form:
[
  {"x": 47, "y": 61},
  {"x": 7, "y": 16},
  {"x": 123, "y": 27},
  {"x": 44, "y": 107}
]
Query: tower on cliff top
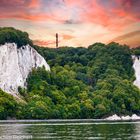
[{"x": 56, "y": 40}]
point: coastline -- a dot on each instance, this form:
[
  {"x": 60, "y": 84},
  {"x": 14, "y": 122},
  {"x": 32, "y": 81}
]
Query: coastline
[{"x": 113, "y": 118}]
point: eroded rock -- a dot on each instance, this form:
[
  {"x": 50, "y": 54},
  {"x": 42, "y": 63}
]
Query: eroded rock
[{"x": 16, "y": 64}]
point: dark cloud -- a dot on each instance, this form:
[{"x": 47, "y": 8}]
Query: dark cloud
[{"x": 71, "y": 22}]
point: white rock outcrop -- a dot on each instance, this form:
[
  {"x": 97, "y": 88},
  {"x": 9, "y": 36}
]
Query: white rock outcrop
[
  {"x": 15, "y": 65},
  {"x": 136, "y": 66},
  {"x": 122, "y": 118}
]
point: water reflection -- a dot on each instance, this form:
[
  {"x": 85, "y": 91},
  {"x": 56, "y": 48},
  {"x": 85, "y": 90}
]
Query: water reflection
[{"x": 73, "y": 131}]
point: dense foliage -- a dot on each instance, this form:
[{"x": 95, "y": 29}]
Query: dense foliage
[
  {"x": 135, "y": 51},
  {"x": 8, "y": 106},
  {"x": 11, "y": 35},
  {"x": 91, "y": 82}
]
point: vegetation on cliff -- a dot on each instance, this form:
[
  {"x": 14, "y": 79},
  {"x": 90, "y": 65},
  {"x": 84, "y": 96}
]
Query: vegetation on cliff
[{"x": 12, "y": 35}]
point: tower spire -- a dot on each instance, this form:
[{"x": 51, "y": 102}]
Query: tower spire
[{"x": 56, "y": 40}]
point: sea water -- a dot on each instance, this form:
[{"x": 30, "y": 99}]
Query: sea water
[{"x": 69, "y": 130}]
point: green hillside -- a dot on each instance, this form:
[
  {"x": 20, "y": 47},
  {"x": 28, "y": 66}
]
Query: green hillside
[{"x": 92, "y": 82}]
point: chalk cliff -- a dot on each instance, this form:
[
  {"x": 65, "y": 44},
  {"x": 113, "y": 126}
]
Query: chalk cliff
[
  {"x": 15, "y": 65},
  {"x": 136, "y": 66}
]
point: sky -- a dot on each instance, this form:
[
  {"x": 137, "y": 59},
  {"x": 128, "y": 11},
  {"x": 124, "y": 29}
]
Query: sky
[{"x": 77, "y": 22}]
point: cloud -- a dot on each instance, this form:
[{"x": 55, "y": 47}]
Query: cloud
[
  {"x": 128, "y": 8},
  {"x": 116, "y": 17},
  {"x": 112, "y": 14},
  {"x": 44, "y": 43},
  {"x": 131, "y": 38},
  {"x": 34, "y": 4},
  {"x": 67, "y": 37},
  {"x": 31, "y": 10},
  {"x": 68, "y": 12},
  {"x": 127, "y": 36},
  {"x": 12, "y": 2}
]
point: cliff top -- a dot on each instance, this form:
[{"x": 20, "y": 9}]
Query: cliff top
[{"x": 11, "y": 35}]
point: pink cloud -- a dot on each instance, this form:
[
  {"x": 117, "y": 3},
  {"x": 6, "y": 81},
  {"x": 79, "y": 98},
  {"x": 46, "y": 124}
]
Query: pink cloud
[
  {"x": 116, "y": 17},
  {"x": 44, "y": 43},
  {"x": 119, "y": 15},
  {"x": 34, "y": 4},
  {"x": 67, "y": 37},
  {"x": 27, "y": 10}
]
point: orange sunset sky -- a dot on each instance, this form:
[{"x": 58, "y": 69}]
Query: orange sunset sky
[{"x": 78, "y": 22}]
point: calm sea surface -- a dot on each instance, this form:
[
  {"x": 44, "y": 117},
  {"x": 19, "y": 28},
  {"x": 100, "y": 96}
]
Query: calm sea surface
[{"x": 67, "y": 130}]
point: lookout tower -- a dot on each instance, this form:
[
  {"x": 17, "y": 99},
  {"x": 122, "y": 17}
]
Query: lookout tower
[{"x": 56, "y": 40}]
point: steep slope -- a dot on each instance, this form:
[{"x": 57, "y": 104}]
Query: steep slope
[{"x": 15, "y": 65}]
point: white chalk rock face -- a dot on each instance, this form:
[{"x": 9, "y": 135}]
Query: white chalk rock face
[
  {"x": 16, "y": 64},
  {"x": 136, "y": 66},
  {"x": 123, "y": 118},
  {"x": 113, "y": 118}
]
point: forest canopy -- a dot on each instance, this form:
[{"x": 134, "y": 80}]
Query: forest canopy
[{"x": 12, "y": 35}]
